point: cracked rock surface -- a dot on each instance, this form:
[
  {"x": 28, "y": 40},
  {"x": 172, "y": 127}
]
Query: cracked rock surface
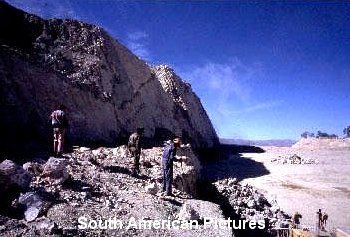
[{"x": 107, "y": 90}]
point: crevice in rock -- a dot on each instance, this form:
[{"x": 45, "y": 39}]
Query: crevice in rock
[{"x": 208, "y": 192}]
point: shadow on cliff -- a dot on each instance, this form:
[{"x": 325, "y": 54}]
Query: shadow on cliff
[
  {"x": 224, "y": 151},
  {"x": 226, "y": 161}
]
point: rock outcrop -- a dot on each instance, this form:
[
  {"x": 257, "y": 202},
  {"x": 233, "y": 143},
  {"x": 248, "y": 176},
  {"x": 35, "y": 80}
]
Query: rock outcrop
[
  {"x": 12, "y": 175},
  {"x": 55, "y": 170},
  {"x": 108, "y": 91},
  {"x": 13, "y": 180},
  {"x": 187, "y": 106}
]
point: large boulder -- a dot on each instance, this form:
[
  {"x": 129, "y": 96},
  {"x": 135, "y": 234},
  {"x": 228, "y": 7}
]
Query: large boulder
[
  {"x": 13, "y": 175},
  {"x": 34, "y": 205},
  {"x": 13, "y": 180},
  {"x": 186, "y": 172},
  {"x": 33, "y": 168},
  {"x": 55, "y": 170}
]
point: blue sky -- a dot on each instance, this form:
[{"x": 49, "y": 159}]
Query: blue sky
[{"x": 262, "y": 69}]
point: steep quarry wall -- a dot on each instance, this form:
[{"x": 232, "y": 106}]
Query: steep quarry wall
[
  {"x": 187, "y": 106},
  {"x": 108, "y": 91},
  {"x": 30, "y": 94}
]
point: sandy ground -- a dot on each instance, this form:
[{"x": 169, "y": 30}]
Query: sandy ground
[{"x": 308, "y": 187}]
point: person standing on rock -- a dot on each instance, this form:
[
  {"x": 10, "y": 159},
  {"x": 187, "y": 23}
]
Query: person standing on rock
[
  {"x": 134, "y": 146},
  {"x": 59, "y": 124},
  {"x": 167, "y": 164}
]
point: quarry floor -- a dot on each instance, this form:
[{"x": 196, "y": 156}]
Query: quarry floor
[{"x": 306, "y": 187}]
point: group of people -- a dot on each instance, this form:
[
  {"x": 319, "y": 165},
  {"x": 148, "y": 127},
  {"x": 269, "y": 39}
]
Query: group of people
[
  {"x": 59, "y": 124},
  {"x": 168, "y": 158},
  {"x": 321, "y": 220}
]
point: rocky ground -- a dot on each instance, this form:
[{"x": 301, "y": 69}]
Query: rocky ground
[
  {"x": 97, "y": 185},
  {"x": 246, "y": 201}
]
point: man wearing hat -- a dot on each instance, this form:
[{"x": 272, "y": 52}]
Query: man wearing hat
[{"x": 167, "y": 163}]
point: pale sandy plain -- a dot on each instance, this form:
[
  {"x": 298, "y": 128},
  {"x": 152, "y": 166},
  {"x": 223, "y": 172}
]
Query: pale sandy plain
[{"x": 308, "y": 187}]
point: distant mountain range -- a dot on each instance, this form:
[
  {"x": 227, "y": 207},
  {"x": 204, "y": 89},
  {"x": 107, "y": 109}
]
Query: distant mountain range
[{"x": 272, "y": 142}]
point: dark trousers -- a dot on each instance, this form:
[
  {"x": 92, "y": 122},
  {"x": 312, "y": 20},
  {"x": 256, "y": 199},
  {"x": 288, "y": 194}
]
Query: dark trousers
[
  {"x": 136, "y": 154},
  {"x": 167, "y": 178},
  {"x": 137, "y": 163}
]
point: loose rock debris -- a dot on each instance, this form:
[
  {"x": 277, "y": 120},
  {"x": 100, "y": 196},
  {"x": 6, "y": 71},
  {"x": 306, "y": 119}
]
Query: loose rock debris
[{"x": 88, "y": 186}]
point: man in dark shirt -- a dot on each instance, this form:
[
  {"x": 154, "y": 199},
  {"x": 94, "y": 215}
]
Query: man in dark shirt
[
  {"x": 134, "y": 147},
  {"x": 167, "y": 163}
]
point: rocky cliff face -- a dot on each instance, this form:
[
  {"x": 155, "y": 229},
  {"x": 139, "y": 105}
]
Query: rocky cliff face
[{"x": 108, "y": 91}]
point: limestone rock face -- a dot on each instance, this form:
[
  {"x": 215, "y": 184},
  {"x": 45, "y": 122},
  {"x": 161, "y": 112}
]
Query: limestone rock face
[
  {"x": 187, "y": 106},
  {"x": 107, "y": 90}
]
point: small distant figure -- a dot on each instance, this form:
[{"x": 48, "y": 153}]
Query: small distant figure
[
  {"x": 319, "y": 215},
  {"x": 167, "y": 164},
  {"x": 324, "y": 220},
  {"x": 296, "y": 220},
  {"x": 134, "y": 146},
  {"x": 59, "y": 124}
]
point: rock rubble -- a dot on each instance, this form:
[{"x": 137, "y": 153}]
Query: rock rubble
[
  {"x": 250, "y": 204},
  {"x": 100, "y": 186},
  {"x": 293, "y": 160}
]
